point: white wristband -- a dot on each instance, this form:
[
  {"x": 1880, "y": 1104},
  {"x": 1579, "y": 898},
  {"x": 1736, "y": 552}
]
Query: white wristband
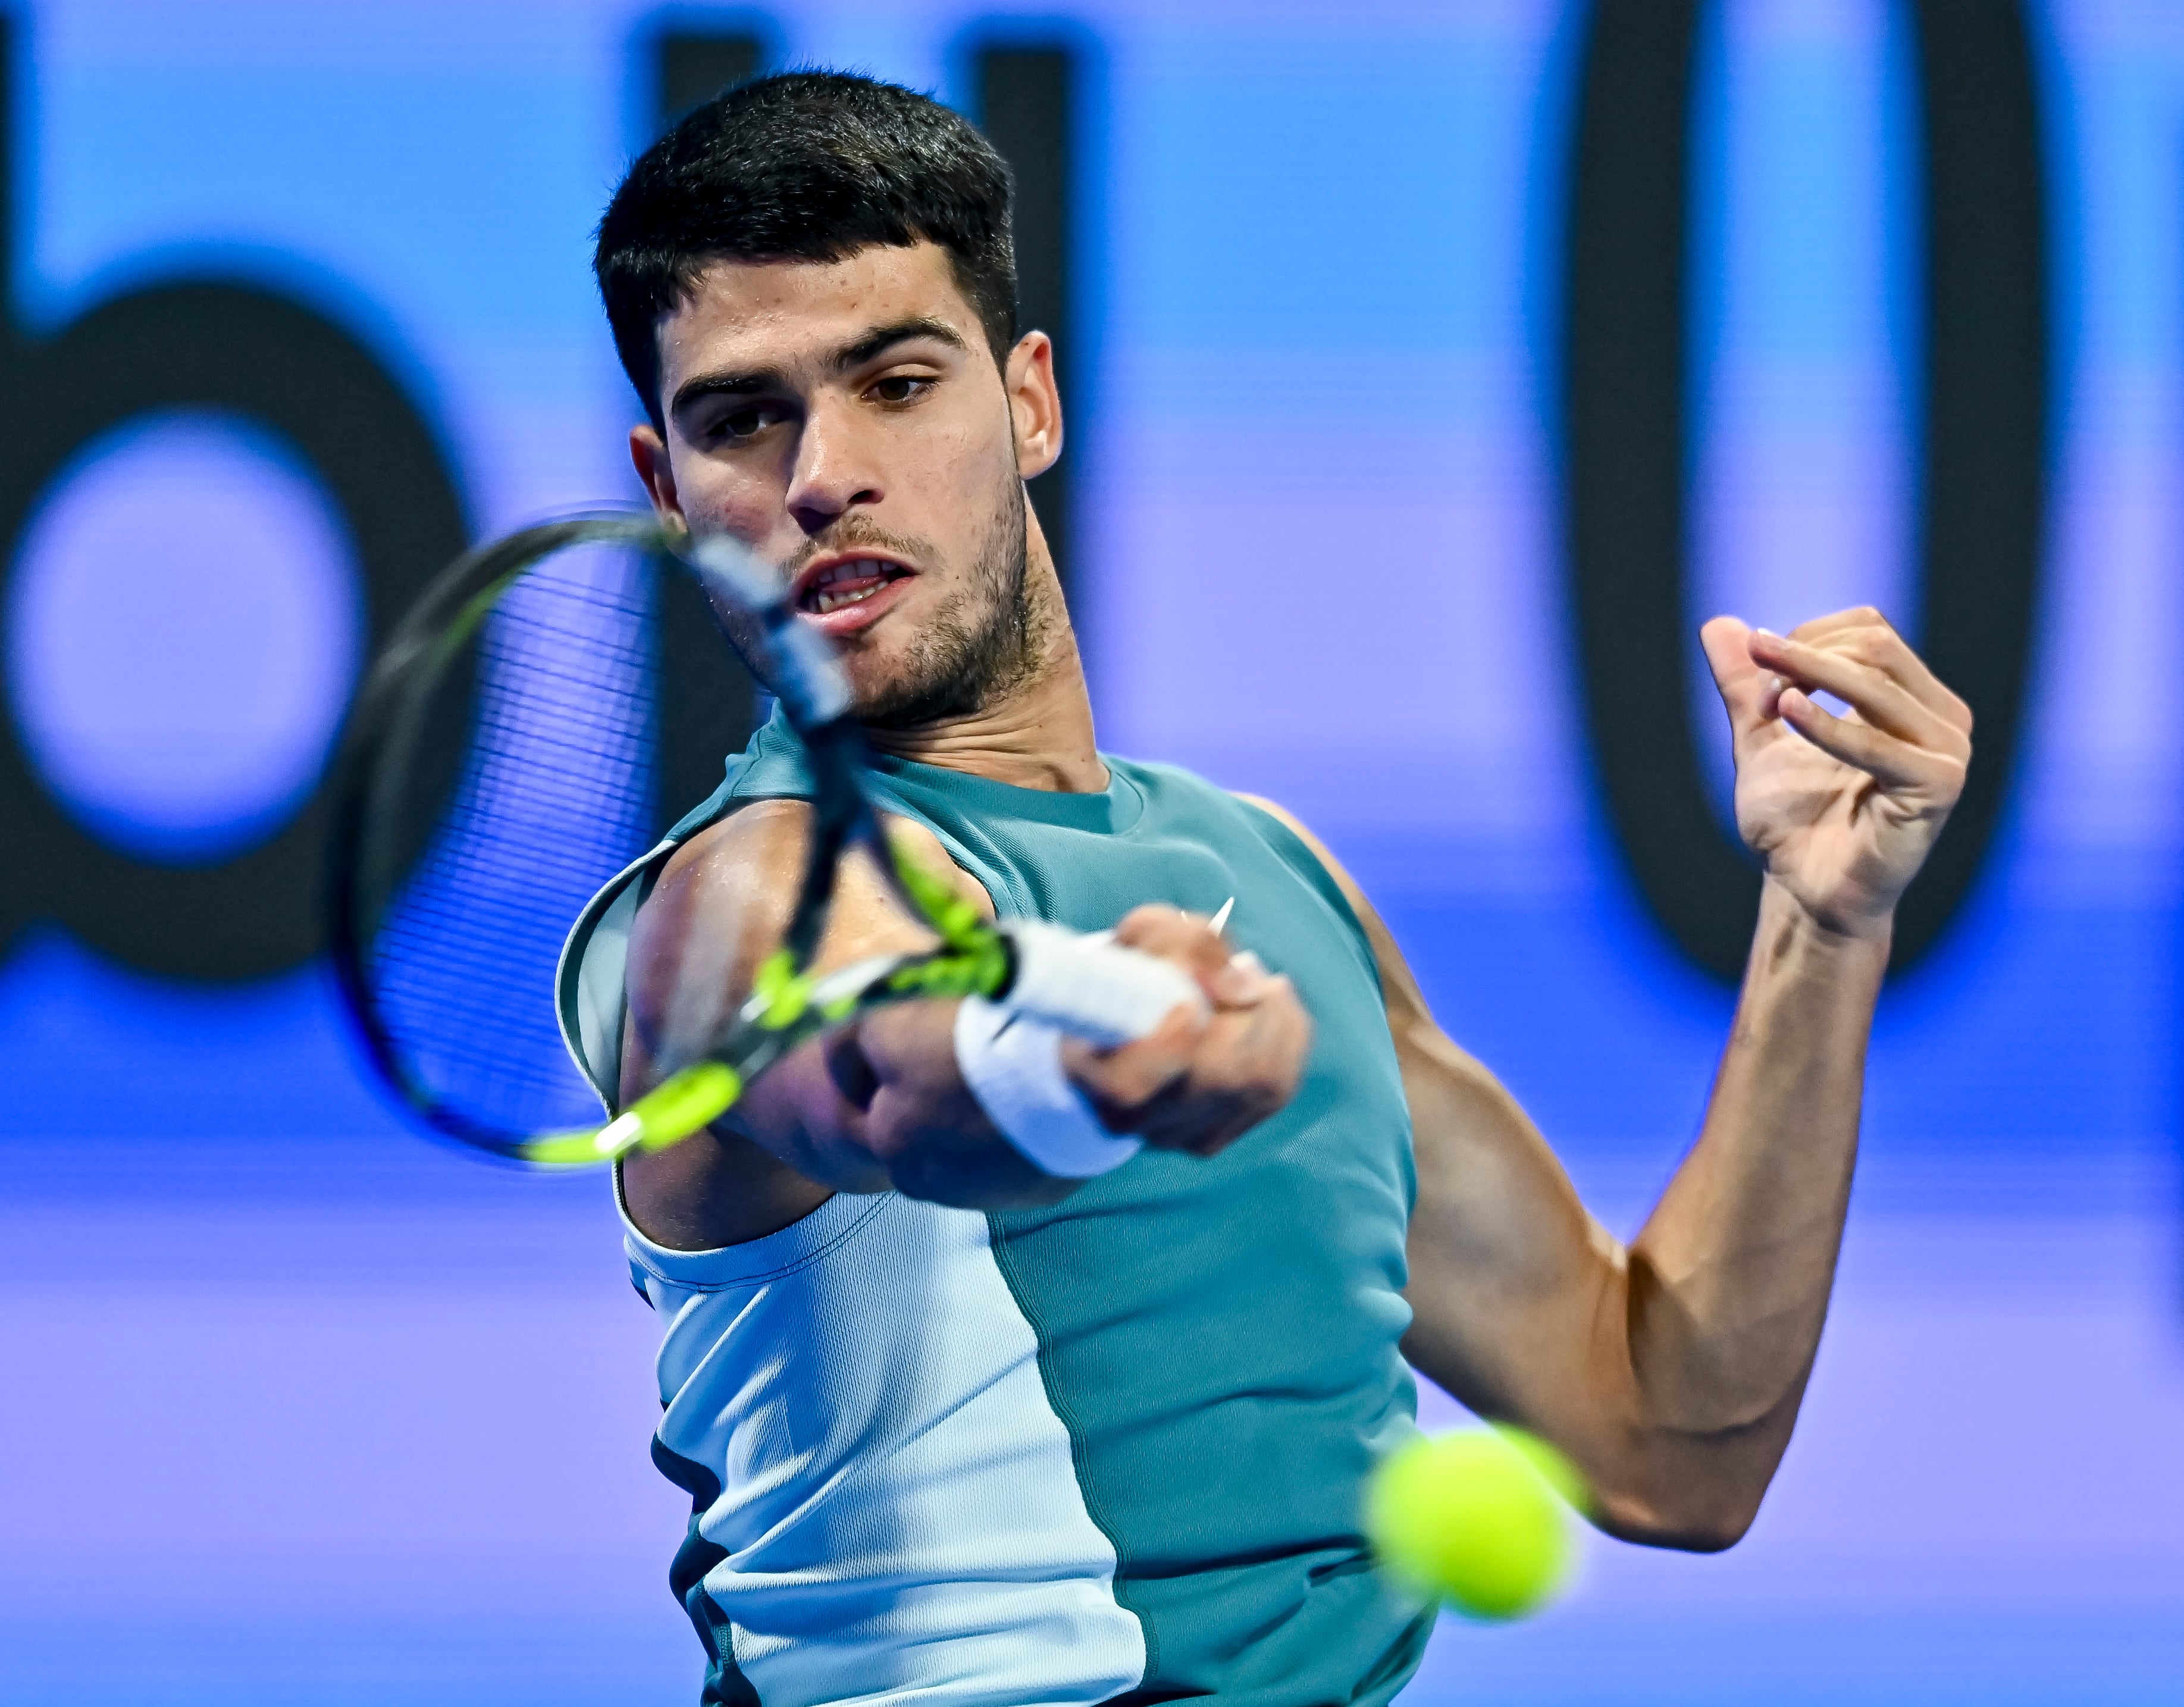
[
  {"x": 1090, "y": 986},
  {"x": 1012, "y": 1064}
]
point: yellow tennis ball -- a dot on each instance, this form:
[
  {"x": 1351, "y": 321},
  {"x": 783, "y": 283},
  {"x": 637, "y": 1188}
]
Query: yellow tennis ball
[{"x": 1476, "y": 1518}]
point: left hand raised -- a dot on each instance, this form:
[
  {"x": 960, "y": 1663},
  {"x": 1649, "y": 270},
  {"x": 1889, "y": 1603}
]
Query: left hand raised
[{"x": 1840, "y": 809}]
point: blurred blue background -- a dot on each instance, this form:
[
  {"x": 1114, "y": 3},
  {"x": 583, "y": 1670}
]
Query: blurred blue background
[{"x": 295, "y": 1407}]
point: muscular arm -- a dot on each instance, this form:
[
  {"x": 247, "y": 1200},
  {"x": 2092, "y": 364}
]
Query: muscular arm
[
  {"x": 1671, "y": 1370},
  {"x": 836, "y": 1114},
  {"x": 880, "y": 1103}
]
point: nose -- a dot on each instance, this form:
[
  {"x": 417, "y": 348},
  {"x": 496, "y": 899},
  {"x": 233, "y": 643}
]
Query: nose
[{"x": 832, "y": 474}]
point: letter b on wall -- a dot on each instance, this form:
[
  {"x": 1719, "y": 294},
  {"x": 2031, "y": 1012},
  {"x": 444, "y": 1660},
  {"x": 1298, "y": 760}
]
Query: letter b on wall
[{"x": 238, "y": 350}]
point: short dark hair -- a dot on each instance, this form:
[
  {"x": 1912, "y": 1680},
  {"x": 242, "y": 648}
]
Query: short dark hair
[{"x": 807, "y": 166}]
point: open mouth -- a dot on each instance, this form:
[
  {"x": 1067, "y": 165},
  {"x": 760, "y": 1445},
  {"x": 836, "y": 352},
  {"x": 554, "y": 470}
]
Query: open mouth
[{"x": 841, "y": 584}]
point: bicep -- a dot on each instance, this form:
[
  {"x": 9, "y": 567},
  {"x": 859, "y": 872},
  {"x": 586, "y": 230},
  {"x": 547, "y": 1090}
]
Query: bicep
[
  {"x": 878, "y": 1104},
  {"x": 720, "y": 907}
]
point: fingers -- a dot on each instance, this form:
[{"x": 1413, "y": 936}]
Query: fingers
[
  {"x": 1247, "y": 1070},
  {"x": 1896, "y": 763},
  {"x": 1740, "y": 681},
  {"x": 1198, "y": 1084},
  {"x": 1202, "y": 1080},
  {"x": 1907, "y": 727},
  {"x": 1878, "y": 694},
  {"x": 1185, "y": 938},
  {"x": 1867, "y": 636},
  {"x": 1128, "y": 1076}
]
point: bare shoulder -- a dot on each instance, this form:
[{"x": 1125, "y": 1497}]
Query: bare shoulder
[
  {"x": 724, "y": 897},
  {"x": 726, "y": 893},
  {"x": 753, "y": 849}
]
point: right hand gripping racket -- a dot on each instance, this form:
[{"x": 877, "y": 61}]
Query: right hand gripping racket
[{"x": 494, "y": 777}]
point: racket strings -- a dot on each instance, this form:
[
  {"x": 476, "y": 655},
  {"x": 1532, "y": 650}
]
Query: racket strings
[
  {"x": 499, "y": 774},
  {"x": 555, "y": 795}
]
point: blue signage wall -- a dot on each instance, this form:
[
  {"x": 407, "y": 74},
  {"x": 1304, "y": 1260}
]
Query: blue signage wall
[{"x": 298, "y": 302}]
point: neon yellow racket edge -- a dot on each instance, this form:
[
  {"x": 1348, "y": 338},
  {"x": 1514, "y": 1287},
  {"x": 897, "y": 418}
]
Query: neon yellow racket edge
[
  {"x": 788, "y": 1009},
  {"x": 460, "y": 851}
]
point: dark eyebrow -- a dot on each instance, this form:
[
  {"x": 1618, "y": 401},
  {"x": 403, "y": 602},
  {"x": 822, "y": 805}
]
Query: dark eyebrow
[
  {"x": 756, "y": 382},
  {"x": 878, "y": 340}
]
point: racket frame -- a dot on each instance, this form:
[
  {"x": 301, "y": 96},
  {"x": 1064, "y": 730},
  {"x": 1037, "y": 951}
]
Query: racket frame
[{"x": 788, "y": 1004}]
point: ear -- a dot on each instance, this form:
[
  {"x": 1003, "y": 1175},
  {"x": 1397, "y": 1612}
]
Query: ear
[
  {"x": 1034, "y": 403},
  {"x": 648, "y": 454}
]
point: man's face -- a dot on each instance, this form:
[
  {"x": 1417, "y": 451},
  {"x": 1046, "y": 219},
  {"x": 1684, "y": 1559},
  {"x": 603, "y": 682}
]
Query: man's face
[{"x": 847, "y": 421}]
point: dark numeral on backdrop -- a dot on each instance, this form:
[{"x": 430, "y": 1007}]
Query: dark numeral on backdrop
[
  {"x": 1982, "y": 455},
  {"x": 706, "y": 704},
  {"x": 1025, "y": 100}
]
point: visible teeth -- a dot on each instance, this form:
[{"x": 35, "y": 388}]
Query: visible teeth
[
  {"x": 834, "y": 601},
  {"x": 822, "y": 598}
]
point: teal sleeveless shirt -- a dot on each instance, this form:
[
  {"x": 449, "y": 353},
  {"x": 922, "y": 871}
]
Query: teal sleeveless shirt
[{"x": 1218, "y": 1337}]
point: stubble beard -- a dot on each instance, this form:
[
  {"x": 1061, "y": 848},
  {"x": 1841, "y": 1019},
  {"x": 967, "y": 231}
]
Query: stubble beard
[{"x": 983, "y": 641}]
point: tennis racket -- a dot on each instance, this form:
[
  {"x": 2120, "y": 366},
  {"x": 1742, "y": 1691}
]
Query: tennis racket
[{"x": 498, "y": 769}]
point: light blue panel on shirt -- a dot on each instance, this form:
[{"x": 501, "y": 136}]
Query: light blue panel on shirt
[{"x": 901, "y": 1510}]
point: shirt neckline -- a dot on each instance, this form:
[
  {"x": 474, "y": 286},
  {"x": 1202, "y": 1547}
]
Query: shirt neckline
[{"x": 1109, "y": 811}]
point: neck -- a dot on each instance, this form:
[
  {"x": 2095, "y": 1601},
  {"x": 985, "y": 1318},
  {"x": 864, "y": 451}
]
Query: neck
[{"x": 1038, "y": 734}]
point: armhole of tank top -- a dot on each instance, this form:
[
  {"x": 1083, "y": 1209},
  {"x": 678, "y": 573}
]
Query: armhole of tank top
[{"x": 1293, "y": 851}]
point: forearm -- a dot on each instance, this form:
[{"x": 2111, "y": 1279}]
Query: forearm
[
  {"x": 797, "y": 1140},
  {"x": 883, "y": 1106},
  {"x": 990, "y": 1106},
  {"x": 1727, "y": 1287},
  {"x": 1672, "y": 1370},
  {"x": 825, "y": 1119},
  {"x": 978, "y": 1116}
]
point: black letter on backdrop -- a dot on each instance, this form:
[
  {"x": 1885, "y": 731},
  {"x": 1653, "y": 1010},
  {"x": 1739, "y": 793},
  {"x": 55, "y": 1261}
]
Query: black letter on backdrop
[
  {"x": 202, "y": 344},
  {"x": 1983, "y": 449},
  {"x": 706, "y": 699},
  {"x": 1027, "y": 98}
]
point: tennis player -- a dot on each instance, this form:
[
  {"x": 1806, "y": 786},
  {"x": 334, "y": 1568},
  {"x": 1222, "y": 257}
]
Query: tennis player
[{"x": 1000, "y": 1370}]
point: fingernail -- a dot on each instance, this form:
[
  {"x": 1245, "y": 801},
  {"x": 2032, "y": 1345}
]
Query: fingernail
[
  {"x": 1769, "y": 633},
  {"x": 1245, "y": 958}
]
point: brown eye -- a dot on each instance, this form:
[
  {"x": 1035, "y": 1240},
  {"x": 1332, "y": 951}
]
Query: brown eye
[
  {"x": 740, "y": 427},
  {"x": 898, "y": 388}
]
